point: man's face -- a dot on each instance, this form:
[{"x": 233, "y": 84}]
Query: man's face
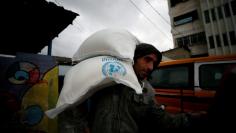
[{"x": 144, "y": 66}]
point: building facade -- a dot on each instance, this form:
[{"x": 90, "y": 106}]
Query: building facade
[
  {"x": 176, "y": 53},
  {"x": 204, "y": 27}
]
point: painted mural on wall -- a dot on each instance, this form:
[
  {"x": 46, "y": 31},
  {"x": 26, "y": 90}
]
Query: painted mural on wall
[{"x": 28, "y": 87}]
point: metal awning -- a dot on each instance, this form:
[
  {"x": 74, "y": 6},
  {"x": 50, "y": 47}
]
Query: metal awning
[{"x": 30, "y": 25}]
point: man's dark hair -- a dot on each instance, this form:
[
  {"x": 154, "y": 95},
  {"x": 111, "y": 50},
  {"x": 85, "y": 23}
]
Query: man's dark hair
[{"x": 143, "y": 49}]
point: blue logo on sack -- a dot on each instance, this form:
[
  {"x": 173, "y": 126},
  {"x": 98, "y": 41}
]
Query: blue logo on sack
[{"x": 113, "y": 69}]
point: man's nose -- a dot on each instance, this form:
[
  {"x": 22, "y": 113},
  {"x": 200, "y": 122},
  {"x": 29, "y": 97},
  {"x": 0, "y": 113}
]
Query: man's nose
[{"x": 150, "y": 66}]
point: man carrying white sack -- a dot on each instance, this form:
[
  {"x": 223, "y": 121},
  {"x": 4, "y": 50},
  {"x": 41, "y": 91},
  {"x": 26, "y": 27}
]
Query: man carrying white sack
[{"x": 119, "y": 109}]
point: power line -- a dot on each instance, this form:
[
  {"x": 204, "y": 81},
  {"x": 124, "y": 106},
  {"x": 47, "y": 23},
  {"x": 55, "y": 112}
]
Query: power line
[
  {"x": 178, "y": 32},
  {"x": 148, "y": 19},
  {"x": 77, "y": 27},
  {"x": 157, "y": 12},
  {"x": 162, "y": 16},
  {"x": 58, "y": 3}
]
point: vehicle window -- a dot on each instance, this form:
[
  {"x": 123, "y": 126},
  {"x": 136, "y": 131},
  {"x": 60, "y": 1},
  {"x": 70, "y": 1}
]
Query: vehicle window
[
  {"x": 171, "y": 77},
  {"x": 210, "y": 75}
]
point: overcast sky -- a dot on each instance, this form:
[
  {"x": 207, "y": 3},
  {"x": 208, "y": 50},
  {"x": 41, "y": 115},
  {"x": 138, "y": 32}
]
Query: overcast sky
[{"x": 141, "y": 17}]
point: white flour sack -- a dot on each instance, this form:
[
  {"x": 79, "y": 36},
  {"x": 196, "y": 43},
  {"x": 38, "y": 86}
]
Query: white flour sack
[
  {"x": 112, "y": 42},
  {"x": 91, "y": 75}
]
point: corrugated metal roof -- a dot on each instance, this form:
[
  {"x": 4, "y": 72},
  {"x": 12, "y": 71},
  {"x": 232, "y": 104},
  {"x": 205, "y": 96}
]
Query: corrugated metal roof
[{"x": 30, "y": 25}]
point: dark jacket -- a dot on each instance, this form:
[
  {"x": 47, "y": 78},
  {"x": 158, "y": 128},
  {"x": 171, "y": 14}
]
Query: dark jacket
[{"x": 118, "y": 109}]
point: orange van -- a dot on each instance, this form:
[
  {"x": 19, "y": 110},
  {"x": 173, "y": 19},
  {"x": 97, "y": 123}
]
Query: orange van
[{"x": 188, "y": 85}]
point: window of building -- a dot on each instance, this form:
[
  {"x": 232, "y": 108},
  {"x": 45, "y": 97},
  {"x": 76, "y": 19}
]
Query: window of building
[
  {"x": 186, "y": 18},
  {"x": 179, "y": 42},
  {"x": 232, "y": 37},
  {"x": 233, "y": 6},
  {"x": 227, "y": 10},
  {"x": 211, "y": 41},
  {"x": 186, "y": 40},
  {"x": 213, "y": 14},
  {"x": 198, "y": 38},
  {"x": 194, "y": 38},
  {"x": 225, "y": 39},
  {"x": 175, "y": 2},
  {"x": 202, "y": 38},
  {"x": 220, "y": 14},
  {"x": 207, "y": 17},
  {"x": 218, "y": 41}
]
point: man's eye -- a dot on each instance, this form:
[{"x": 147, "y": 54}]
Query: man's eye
[{"x": 147, "y": 59}]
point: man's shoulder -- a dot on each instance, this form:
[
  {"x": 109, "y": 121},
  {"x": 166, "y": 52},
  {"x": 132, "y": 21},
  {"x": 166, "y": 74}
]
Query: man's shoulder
[{"x": 148, "y": 87}]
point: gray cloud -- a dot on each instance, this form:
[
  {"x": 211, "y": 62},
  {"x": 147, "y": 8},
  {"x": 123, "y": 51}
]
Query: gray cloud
[{"x": 99, "y": 14}]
